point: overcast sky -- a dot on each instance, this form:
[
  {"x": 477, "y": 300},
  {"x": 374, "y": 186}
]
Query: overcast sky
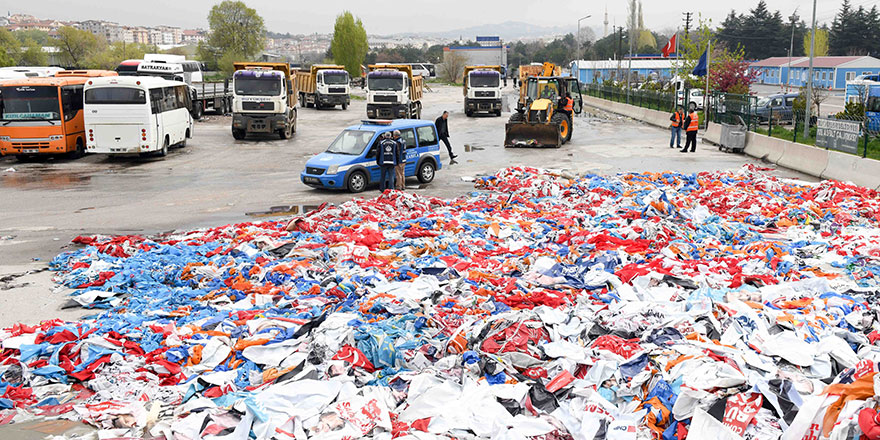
[{"x": 388, "y": 17}]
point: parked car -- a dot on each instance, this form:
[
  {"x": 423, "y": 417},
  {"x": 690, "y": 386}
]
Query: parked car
[
  {"x": 350, "y": 161},
  {"x": 778, "y": 106}
]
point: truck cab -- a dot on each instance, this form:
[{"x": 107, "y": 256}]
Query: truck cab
[
  {"x": 264, "y": 100},
  {"x": 482, "y": 90},
  {"x": 324, "y": 86},
  {"x": 349, "y": 162},
  {"x": 393, "y": 92},
  {"x": 333, "y": 87}
]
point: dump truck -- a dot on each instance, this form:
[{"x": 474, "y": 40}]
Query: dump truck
[
  {"x": 393, "y": 92},
  {"x": 324, "y": 86},
  {"x": 482, "y": 90},
  {"x": 264, "y": 100},
  {"x": 539, "y": 121}
]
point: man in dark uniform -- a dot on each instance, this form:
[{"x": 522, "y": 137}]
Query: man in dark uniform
[
  {"x": 387, "y": 159},
  {"x": 443, "y": 132},
  {"x": 400, "y": 168}
]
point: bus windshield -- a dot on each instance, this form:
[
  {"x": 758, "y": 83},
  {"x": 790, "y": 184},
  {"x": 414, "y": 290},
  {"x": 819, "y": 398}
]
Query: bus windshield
[
  {"x": 29, "y": 103},
  {"x": 116, "y": 95},
  {"x": 350, "y": 142},
  {"x": 335, "y": 78},
  {"x": 268, "y": 86},
  {"x": 385, "y": 83}
]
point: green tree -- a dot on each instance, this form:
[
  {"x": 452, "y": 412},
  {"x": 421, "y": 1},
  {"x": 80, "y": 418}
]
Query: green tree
[
  {"x": 761, "y": 33},
  {"x": 31, "y": 54},
  {"x": 235, "y": 30},
  {"x": 40, "y": 37},
  {"x": 11, "y": 46},
  {"x": 821, "y": 42},
  {"x": 855, "y": 31},
  {"x": 691, "y": 48},
  {"x": 113, "y": 54},
  {"x": 75, "y": 46},
  {"x": 349, "y": 44}
]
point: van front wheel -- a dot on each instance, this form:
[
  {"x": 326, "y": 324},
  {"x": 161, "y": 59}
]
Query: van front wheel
[
  {"x": 357, "y": 182},
  {"x": 426, "y": 171}
]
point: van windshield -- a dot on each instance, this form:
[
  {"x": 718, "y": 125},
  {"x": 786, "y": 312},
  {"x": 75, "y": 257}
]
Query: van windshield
[
  {"x": 763, "y": 102},
  {"x": 267, "y": 86},
  {"x": 29, "y": 103},
  {"x": 351, "y": 142}
]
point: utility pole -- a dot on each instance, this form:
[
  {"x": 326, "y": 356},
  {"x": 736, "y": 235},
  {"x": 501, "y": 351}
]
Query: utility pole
[
  {"x": 619, "y": 54},
  {"x": 791, "y": 48},
  {"x": 687, "y": 23},
  {"x": 633, "y": 35},
  {"x": 809, "y": 106}
]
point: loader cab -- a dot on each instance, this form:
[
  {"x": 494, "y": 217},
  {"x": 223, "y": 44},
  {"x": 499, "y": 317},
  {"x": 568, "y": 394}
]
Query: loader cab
[{"x": 553, "y": 88}]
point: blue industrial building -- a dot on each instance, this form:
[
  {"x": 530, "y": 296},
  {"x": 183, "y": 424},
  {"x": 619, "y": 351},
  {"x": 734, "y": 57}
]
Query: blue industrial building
[
  {"x": 828, "y": 72},
  {"x": 598, "y": 71}
]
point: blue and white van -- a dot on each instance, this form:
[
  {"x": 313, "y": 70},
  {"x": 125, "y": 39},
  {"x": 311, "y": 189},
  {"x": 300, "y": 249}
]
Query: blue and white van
[{"x": 350, "y": 161}]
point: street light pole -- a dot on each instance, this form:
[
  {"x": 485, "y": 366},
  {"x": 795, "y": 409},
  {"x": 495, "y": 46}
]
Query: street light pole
[
  {"x": 790, "y": 50},
  {"x": 808, "y": 106},
  {"x": 578, "y": 39}
]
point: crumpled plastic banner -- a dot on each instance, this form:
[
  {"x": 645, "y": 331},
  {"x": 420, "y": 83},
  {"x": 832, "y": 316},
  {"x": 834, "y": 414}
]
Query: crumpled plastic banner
[{"x": 541, "y": 306}]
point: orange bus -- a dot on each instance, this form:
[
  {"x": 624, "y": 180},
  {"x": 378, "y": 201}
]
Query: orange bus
[{"x": 41, "y": 116}]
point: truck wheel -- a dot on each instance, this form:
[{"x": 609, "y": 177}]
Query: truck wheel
[
  {"x": 357, "y": 182},
  {"x": 469, "y": 113},
  {"x": 345, "y": 106},
  {"x": 285, "y": 133},
  {"x": 426, "y": 171},
  {"x": 498, "y": 113},
  {"x": 294, "y": 121},
  {"x": 198, "y": 110},
  {"x": 237, "y": 134}
]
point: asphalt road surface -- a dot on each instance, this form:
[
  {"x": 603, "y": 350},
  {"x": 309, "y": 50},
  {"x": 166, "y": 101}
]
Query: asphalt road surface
[{"x": 217, "y": 180}]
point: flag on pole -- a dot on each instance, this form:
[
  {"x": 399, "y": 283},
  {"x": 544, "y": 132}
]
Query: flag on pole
[
  {"x": 702, "y": 68},
  {"x": 669, "y": 48}
]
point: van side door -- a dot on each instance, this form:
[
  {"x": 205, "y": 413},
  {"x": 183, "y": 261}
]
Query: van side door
[
  {"x": 412, "y": 151},
  {"x": 428, "y": 142}
]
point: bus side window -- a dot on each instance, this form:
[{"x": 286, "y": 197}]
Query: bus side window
[
  {"x": 156, "y": 100},
  {"x": 181, "y": 97}
]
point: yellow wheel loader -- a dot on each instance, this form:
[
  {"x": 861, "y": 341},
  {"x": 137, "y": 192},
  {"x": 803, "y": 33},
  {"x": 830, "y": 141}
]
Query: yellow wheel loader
[{"x": 539, "y": 121}]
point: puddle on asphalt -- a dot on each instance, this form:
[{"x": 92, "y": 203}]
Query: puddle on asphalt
[
  {"x": 284, "y": 210},
  {"x": 43, "y": 179}
]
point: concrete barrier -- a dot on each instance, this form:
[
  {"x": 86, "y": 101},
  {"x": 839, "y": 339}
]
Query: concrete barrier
[
  {"x": 764, "y": 147},
  {"x": 713, "y": 133},
  {"x": 848, "y": 168},
  {"x": 804, "y": 158}
]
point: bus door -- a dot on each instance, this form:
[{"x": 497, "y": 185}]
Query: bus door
[
  {"x": 157, "y": 105},
  {"x": 72, "y": 109}
]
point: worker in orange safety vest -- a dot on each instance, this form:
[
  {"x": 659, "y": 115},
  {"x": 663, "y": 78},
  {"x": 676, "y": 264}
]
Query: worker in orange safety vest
[
  {"x": 691, "y": 124},
  {"x": 677, "y": 119}
]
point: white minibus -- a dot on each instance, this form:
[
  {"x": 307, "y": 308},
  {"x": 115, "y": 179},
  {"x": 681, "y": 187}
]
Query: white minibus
[{"x": 131, "y": 114}]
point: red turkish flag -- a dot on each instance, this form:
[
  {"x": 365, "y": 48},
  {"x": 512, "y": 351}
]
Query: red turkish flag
[{"x": 669, "y": 48}]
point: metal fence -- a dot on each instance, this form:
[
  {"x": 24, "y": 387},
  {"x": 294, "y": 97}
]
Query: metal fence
[{"x": 656, "y": 100}]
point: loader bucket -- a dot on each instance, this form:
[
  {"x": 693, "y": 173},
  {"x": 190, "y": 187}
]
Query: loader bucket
[{"x": 524, "y": 134}]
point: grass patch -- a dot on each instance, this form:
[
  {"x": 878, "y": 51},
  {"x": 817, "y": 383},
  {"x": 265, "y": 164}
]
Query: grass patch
[{"x": 358, "y": 98}]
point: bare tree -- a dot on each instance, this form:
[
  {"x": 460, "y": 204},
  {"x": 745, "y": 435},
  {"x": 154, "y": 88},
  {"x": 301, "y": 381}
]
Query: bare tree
[
  {"x": 453, "y": 66},
  {"x": 819, "y": 96}
]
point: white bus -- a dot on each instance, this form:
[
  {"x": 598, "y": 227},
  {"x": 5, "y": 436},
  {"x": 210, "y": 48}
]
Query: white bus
[{"x": 136, "y": 115}]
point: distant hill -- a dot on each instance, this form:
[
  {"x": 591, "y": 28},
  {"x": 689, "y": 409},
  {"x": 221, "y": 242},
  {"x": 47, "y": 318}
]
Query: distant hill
[{"x": 508, "y": 31}]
